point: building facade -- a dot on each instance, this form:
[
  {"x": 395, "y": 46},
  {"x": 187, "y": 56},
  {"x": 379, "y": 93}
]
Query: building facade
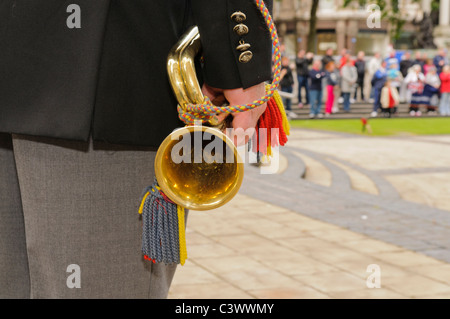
[
  {"x": 357, "y": 28},
  {"x": 442, "y": 31}
]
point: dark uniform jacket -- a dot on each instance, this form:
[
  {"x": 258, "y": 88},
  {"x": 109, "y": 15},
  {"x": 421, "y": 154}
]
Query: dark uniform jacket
[{"x": 107, "y": 79}]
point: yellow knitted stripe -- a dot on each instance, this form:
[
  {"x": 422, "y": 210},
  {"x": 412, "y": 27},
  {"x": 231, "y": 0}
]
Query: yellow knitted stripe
[
  {"x": 141, "y": 207},
  {"x": 181, "y": 234}
]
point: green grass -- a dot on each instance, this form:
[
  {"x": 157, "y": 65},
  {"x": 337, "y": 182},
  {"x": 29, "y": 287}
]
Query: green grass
[{"x": 380, "y": 126}]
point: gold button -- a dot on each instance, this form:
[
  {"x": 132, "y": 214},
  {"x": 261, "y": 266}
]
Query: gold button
[
  {"x": 243, "y": 46},
  {"x": 238, "y": 17},
  {"x": 241, "y": 29},
  {"x": 245, "y": 56}
]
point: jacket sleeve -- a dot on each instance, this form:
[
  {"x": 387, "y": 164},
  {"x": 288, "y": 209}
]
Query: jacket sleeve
[{"x": 224, "y": 64}]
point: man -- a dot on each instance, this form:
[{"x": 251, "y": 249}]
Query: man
[
  {"x": 82, "y": 111},
  {"x": 360, "y": 65},
  {"x": 287, "y": 85},
  {"x": 316, "y": 75},
  {"x": 378, "y": 81},
  {"x": 303, "y": 61},
  {"x": 328, "y": 57},
  {"x": 349, "y": 75}
]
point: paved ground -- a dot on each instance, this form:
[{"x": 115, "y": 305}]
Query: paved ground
[{"x": 337, "y": 204}]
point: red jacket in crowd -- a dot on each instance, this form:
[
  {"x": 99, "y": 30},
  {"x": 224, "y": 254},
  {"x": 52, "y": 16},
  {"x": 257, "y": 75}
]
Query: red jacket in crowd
[{"x": 445, "y": 82}]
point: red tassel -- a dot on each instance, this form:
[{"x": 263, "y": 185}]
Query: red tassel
[{"x": 271, "y": 118}]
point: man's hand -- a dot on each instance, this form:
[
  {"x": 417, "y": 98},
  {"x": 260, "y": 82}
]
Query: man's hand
[{"x": 244, "y": 120}]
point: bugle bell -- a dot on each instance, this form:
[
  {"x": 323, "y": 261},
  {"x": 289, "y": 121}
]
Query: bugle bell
[{"x": 192, "y": 168}]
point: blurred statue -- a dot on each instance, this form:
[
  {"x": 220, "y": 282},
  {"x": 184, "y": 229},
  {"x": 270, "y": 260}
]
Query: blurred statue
[{"x": 424, "y": 36}]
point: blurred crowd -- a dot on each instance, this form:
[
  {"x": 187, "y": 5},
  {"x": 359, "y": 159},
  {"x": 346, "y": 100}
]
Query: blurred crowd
[{"x": 330, "y": 83}]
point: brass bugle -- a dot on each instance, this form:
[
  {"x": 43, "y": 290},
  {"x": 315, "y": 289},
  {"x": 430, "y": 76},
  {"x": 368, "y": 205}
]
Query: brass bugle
[{"x": 197, "y": 184}]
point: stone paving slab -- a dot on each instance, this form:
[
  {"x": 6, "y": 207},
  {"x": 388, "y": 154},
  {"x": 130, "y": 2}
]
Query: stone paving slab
[{"x": 311, "y": 259}]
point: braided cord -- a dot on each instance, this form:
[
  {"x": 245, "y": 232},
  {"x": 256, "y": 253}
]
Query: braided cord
[{"x": 206, "y": 110}]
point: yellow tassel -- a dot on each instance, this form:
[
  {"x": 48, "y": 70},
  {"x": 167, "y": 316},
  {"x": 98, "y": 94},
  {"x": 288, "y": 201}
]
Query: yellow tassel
[
  {"x": 181, "y": 234},
  {"x": 279, "y": 102},
  {"x": 269, "y": 150}
]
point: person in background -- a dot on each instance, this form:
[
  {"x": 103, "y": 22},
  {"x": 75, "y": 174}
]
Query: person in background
[
  {"x": 415, "y": 81},
  {"x": 440, "y": 60},
  {"x": 372, "y": 67},
  {"x": 405, "y": 64},
  {"x": 303, "y": 61},
  {"x": 349, "y": 76},
  {"x": 331, "y": 76},
  {"x": 328, "y": 57},
  {"x": 316, "y": 75},
  {"x": 282, "y": 47},
  {"x": 343, "y": 57},
  {"x": 427, "y": 66},
  {"x": 431, "y": 90},
  {"x": 389, "y": 99},
  {"x": 418, "y": 59},
  {"x": 378, "y": 81},
  {"x": 395, "y": 77},
  {"x": 392, "y": 59},
  {"x": 424, "y": 61},
  {"x": 360, "y": 65},
  {"x": 287, "y": 85},
  {"x": 444, "y": 104}
]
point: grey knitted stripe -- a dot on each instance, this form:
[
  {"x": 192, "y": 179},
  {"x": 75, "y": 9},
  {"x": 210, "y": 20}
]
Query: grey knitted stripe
[{"x": 173, "y": 236}]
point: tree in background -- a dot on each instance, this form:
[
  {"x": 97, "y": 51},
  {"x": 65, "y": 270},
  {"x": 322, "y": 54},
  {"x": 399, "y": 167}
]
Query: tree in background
[{"x": 312, "y": 26}]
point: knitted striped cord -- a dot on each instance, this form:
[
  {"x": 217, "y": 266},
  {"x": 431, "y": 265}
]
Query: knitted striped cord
[{"x": 203, "y": 112}]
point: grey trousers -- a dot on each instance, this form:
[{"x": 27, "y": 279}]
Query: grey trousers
[{"x": 69, "y": 222}]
